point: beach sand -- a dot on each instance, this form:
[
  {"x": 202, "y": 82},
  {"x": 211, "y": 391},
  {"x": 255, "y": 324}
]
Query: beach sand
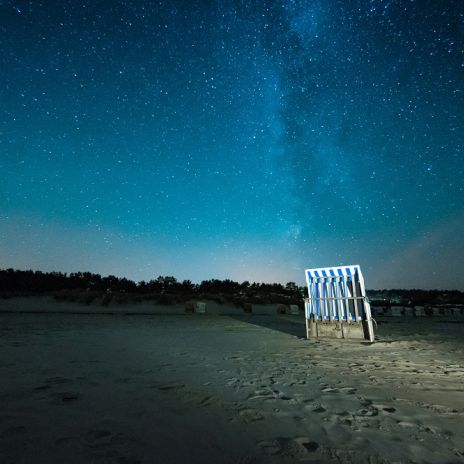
[{"x": 79, "y": 388}]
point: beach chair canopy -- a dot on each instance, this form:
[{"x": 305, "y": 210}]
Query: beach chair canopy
[{"x": 337, "y": 293}]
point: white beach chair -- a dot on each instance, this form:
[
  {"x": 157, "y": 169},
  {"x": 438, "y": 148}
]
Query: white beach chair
[
  {"x": 293, "y": 309},
  {"x": 396, "y": 311},
  {"x": 200, "y": 307},
  {"x": 337, "y": 305},
  {"x": 408, "y": 311},
  {"x": 419, "y": 310}
]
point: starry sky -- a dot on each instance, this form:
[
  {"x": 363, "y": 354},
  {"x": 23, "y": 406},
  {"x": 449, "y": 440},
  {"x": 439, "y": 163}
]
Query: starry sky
[{"x": 233, "y": 139}]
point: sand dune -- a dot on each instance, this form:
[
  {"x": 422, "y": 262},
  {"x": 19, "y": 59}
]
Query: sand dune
[{"x": 233, "y": 389}]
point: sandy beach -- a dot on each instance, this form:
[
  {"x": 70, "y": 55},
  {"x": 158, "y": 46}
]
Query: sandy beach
[{"x": 232, "y": 388}]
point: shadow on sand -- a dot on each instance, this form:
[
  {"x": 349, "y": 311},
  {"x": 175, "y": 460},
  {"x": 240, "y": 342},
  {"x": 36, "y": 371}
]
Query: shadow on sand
[{"x": 287, "y": 324}]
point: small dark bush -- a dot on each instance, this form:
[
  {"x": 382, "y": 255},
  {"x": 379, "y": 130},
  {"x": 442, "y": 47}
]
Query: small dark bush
[
  {"x": 281, "y": 309},
  {"x": 258, "y": 299},
  {"x": 151, "y": 297},
  {"x": 67, "y": 295},
  {"x": 189, "y": 307},
  {"x": 236, "y": 301},
  {"x": 89, "y": 298},
  {"x": 247, "y": 307},
  {"x": 165, "y": 299},
  {"x": 184, "y": 297},
  {"x": 106, "y": 299},
  {"x": 122, "y": 299}
]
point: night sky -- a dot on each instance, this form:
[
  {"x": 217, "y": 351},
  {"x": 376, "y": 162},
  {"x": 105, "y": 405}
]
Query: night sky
[{"x": 233, "y": 139}]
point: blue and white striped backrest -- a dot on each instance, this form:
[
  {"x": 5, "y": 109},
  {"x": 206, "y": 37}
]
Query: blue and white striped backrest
[{"x": 337, "y": 293}]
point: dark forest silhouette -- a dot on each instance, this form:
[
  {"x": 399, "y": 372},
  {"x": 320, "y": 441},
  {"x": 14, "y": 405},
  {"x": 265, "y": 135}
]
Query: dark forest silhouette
[{"x": 87, "y": 287}]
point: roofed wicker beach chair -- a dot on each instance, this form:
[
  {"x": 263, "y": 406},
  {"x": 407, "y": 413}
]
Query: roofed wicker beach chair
[{"x": 337, "y": 305}]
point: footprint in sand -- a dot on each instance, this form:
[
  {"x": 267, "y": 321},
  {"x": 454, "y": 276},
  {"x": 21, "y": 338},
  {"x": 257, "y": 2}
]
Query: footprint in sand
[
  {"x": 250, "y": 415},
  {"x": 171, "y": 387},
  {"x": 319, "y": 409},
  {"x": 67, "y": 397},
  {"x": 263, "y": 397},
  {"x": 200, "y": 400},
  {"x": 128, "y": 460},
  {"x": 348, "y": 390},
  {"x": 290, "y": 447},
  {"x": 406, "y": 425},
  {"x": 271, "y": 448},
  {"x": 64, "y": 396},
  {"x": 311, "y": 446},
  {"x": 389, "y": 410},
  {"x": 95, "y": 438},
  {"x": 57, "y": 380},
  {"x": 439, "y": 408},
  {"x": 109, "y": 444},
  {"x": 364, "y": 401},
  {"x": 62, "y": 440},
  {"x": 42, "y": 388},
  {"x": 124, "y": 380},
  {"x": 367, "y": 412},
  {"x": 315, "y": 407},
  {"x": 330, "y": 390}
]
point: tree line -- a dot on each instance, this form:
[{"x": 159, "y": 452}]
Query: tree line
[
  {"x": 13, "y": 282},
  {"x": 37, "y": 282}
]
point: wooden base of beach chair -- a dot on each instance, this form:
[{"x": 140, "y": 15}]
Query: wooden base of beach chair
[{"x": 326, "y": 329}]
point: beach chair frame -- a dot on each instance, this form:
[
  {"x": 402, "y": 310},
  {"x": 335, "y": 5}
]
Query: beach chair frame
[{"x": 337, "y": 305}]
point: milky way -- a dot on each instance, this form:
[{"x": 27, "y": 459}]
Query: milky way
[{"x": 237, "y": 139}]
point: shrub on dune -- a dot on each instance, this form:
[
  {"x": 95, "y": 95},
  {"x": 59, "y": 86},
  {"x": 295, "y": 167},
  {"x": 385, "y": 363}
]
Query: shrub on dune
[
  {"x": 106, "y": 299},
  {"x": 165, "y": 299}
]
